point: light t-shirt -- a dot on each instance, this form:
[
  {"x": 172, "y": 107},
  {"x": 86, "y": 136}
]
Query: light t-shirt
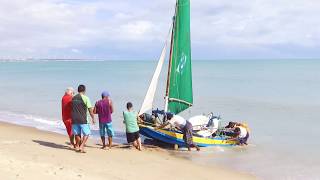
[
  {"x": 178, "y": 121},
  {"x": 130, "y": 120},
  {"x": 243, "y": 132},
  {"x": 87, "y": 102}
]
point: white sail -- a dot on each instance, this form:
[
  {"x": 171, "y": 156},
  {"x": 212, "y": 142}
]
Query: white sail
[{"x": 148, "y": 100}]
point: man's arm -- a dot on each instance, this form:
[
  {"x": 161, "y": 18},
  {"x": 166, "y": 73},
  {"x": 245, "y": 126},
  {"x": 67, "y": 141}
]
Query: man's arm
[
  {"x": 162, "y": 126},
  {"x": 111, "y": 106},
  {"x": 90, "y": 108},
  {"x": 92, "y": 115},
  {"x": 139, "y": 119},
  {"x": 124, "y": 120},
  {"x": 95, "y": 110}
]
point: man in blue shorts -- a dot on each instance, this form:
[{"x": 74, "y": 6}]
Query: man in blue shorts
[
  {"x": 104, "y": 109},
  {"x": 81, "y": 106}
]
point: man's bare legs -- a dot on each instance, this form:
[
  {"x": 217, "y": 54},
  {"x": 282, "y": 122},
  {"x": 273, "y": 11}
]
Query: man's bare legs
[
  {"x": 197, "y": 147},
  {"x": 103, "y": 139},
  {"x": 84, "y": 140},
  {"x": 72, "y": 141},
  {"x": 137, "y": 144},
  {"x": 192, "y": 145},
  {"x": 188, "y": 146},
  {"x": 78, "y": 142},
  {"x": 110, "y": 142}
]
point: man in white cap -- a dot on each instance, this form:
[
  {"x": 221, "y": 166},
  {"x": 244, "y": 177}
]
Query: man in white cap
[{"x": 66, "y": 106}]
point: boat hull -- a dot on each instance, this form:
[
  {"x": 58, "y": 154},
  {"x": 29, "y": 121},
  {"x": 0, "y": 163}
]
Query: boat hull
[{"x": 172, "y": 137}]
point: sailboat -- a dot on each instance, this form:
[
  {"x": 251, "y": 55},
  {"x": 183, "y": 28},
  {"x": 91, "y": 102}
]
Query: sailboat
[{"x": 179, "y": 92}]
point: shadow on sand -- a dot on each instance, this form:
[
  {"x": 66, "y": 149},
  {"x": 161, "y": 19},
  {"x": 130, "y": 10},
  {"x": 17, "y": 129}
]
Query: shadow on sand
[
  {"x": 149, "y": 144},
  {"x": 52, "y": 145},
  {"x": 129, "y": 146}
]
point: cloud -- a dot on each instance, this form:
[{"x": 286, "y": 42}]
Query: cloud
[
  {"x": 75, "y": 51},
  {"x": 136, "y": 29},
  {"x": 261, "y": 25}
]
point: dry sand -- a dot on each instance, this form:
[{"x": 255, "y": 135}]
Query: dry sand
[{"x": 28, "y": 153}]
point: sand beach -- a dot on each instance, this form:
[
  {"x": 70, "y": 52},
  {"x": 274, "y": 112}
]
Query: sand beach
[{"x": 28, "y": 153}]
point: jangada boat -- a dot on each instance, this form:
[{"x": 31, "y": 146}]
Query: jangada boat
[{"x": 179, "y": 93}]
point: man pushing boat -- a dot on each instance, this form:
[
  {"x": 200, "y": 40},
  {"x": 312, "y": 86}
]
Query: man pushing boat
[{"x": 183, "y": 125}]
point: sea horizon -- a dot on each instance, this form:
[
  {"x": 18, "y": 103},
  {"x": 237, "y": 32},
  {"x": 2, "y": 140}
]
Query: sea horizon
[{"x": 148, "y": 59}]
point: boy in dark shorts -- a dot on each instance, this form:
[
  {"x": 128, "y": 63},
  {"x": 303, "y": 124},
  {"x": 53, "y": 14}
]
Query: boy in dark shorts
[{"x": 132, "y": 128}]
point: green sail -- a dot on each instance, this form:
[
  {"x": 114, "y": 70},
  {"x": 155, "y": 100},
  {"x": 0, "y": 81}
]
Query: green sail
[{"x": 180, "y": 79}]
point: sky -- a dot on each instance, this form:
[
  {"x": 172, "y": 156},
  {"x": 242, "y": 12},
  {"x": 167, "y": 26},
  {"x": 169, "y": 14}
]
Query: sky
[{"x": 136, "y": 30}]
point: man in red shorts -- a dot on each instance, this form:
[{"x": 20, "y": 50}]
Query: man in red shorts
[{"x": 66, "y": 103}]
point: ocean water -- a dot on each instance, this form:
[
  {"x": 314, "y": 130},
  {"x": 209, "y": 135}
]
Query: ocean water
[{"x": 279, "y": 99}]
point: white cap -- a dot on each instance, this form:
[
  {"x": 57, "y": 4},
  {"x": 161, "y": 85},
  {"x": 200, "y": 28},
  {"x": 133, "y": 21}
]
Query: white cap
[{"x": 69, "y": 89}]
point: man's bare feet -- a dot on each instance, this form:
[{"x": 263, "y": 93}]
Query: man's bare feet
[{"x": 77, "y": 148}]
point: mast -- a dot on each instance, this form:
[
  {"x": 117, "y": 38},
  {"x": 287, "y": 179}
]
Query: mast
[{"x": 170, "y": 61}]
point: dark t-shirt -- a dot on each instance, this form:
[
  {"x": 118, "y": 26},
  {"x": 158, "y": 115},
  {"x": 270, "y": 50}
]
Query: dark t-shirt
[{"x": 79, "y": 110}]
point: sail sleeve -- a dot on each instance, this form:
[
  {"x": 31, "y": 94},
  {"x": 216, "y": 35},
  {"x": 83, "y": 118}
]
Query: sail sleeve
[
  {"x": 148, "y": 100},
  {"x": 180, "y": 85}
]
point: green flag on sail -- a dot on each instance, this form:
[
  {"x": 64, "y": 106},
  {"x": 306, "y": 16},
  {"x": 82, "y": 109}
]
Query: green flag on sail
[{"x": 180, "y": 80}]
